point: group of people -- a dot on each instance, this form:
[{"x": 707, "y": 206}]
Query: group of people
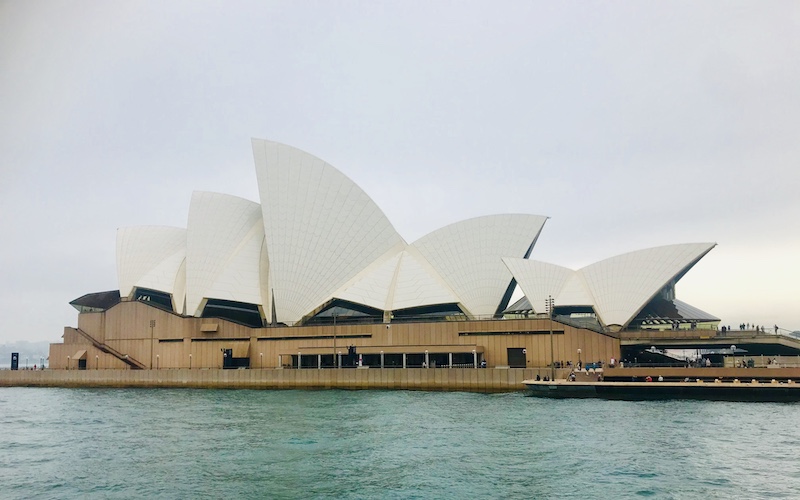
[
  {"x": 579, "y": 365},
  {"x": 748, "y": 327}
]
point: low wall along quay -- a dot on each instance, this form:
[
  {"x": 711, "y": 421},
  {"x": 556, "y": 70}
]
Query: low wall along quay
[{"x": 426, "y": 379}]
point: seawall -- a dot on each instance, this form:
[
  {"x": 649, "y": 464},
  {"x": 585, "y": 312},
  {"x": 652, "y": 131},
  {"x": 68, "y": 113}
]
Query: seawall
[{"x": 432, "y": 379}]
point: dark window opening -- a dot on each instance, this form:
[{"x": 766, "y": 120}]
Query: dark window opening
[
  {"x": 346, "y": 312},
  {"x": 237, "y": 312},
  {"x": 438, "y": 312},
  {"x": 155, "y": 298}
]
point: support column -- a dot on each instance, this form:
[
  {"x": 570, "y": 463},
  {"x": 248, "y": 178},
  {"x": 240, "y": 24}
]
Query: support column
[
  {"x": 404, "y": 360},
  {"x": 381, "y": 359},
  {"x": 299, "y": 360},
  {"x": 450, "y": 355},
  {"x": 474, "y": 359},
  {"x": 319, "y": 361}
]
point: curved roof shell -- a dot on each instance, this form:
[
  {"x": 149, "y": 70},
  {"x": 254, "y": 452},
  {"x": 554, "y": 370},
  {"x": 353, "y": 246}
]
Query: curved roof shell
[
  {"x": 152, "y": 257},
  {"x": 468, "y": 256},
  {"x": 223, "y": 251},
  {"x": 316, "y": 236},
  {"x": 623, "y": 284},
  {"x": 321, "y": 229},
  {"x": 617, "y": 288},
  {"x": 402, "y": 280}
]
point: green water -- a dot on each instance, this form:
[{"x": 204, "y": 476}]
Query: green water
[{"x": 159, "y": 443}]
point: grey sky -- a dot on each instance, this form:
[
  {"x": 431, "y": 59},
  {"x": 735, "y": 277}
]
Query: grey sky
[{"x": 630, "y": 124}]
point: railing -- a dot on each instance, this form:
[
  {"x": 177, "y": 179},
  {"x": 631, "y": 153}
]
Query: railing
[{"x": 136, "y": 365}]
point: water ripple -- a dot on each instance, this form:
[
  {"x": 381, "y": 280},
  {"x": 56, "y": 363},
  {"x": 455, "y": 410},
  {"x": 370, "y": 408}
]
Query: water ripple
[{"x": 112, "y": 443}]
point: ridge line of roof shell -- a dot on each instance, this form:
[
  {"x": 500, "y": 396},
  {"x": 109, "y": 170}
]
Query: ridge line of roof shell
[{"x": 711, "y": 247}]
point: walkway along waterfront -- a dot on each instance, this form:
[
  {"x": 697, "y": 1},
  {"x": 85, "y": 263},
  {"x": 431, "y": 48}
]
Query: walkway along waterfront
[{"x": 432, "y": 379}]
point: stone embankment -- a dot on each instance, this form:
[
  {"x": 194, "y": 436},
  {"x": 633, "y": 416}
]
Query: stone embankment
[{"x": 433, "y": 379}]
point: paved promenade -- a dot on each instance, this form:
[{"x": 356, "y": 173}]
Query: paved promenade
[{"x": 433, "y": 379}]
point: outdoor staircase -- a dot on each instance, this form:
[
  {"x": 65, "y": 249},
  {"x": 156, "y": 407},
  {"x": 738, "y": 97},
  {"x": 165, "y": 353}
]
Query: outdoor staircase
[{"x": 134, "y": 364}]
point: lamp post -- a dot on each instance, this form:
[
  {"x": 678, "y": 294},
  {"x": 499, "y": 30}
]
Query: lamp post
[
  {"x": 733, "y": 352},
  {"x": 549, "y": 309},
  {"x": 152, "y": 327},
  {"x": 334, "y": 337}
]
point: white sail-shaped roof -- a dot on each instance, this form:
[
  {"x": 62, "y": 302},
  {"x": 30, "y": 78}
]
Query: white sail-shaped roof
[
  {"x": 617, "y": 288},
  {"x": 321, "y": 229},
  {"x": 539, "y": 280},
  {"x": 574, "y": 293},
  {"x": 373, "y": 285},
  {"x": 401, "y": 281},
  {"x": 416, "y": 284},
  {"x": 468, "y": 256},
  {"x": 623, "y": 284},
  {"x": 223, "y": 250},
  {"x": 317, "y": 237},
  {"x": 151, "y": 257}
]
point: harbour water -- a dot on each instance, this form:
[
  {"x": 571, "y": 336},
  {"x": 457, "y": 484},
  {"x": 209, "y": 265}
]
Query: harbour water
[{"x": 186, "y": 443}]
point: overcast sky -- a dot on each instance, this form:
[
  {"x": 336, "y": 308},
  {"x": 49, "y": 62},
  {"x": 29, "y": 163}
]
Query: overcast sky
[{"x": 630, "y": 124}]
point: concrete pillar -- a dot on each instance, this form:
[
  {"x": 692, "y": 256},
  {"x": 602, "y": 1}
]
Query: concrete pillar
[
  {"x": 474, "y": 359},
  {"x": 427, "y": 360},
  {"x": 319, "y": 361},
  {"x": 381, "y": 359},
  {"x": 404, "y": 360},
  {"x": 450, "y": 356},
  {"x": 299, "y": 360}
]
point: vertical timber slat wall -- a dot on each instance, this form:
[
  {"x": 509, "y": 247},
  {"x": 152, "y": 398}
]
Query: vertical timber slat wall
[{"x": 126, "y": 328}]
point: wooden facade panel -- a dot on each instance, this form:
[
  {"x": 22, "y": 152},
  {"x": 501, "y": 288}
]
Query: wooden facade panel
[{"x": 126, "y": 328}]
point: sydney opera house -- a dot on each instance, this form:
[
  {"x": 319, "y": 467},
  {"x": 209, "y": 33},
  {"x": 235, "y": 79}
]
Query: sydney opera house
[{"x": 315, "y": 276}]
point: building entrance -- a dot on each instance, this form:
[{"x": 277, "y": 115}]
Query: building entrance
[{"x": 516, "y": 358}]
